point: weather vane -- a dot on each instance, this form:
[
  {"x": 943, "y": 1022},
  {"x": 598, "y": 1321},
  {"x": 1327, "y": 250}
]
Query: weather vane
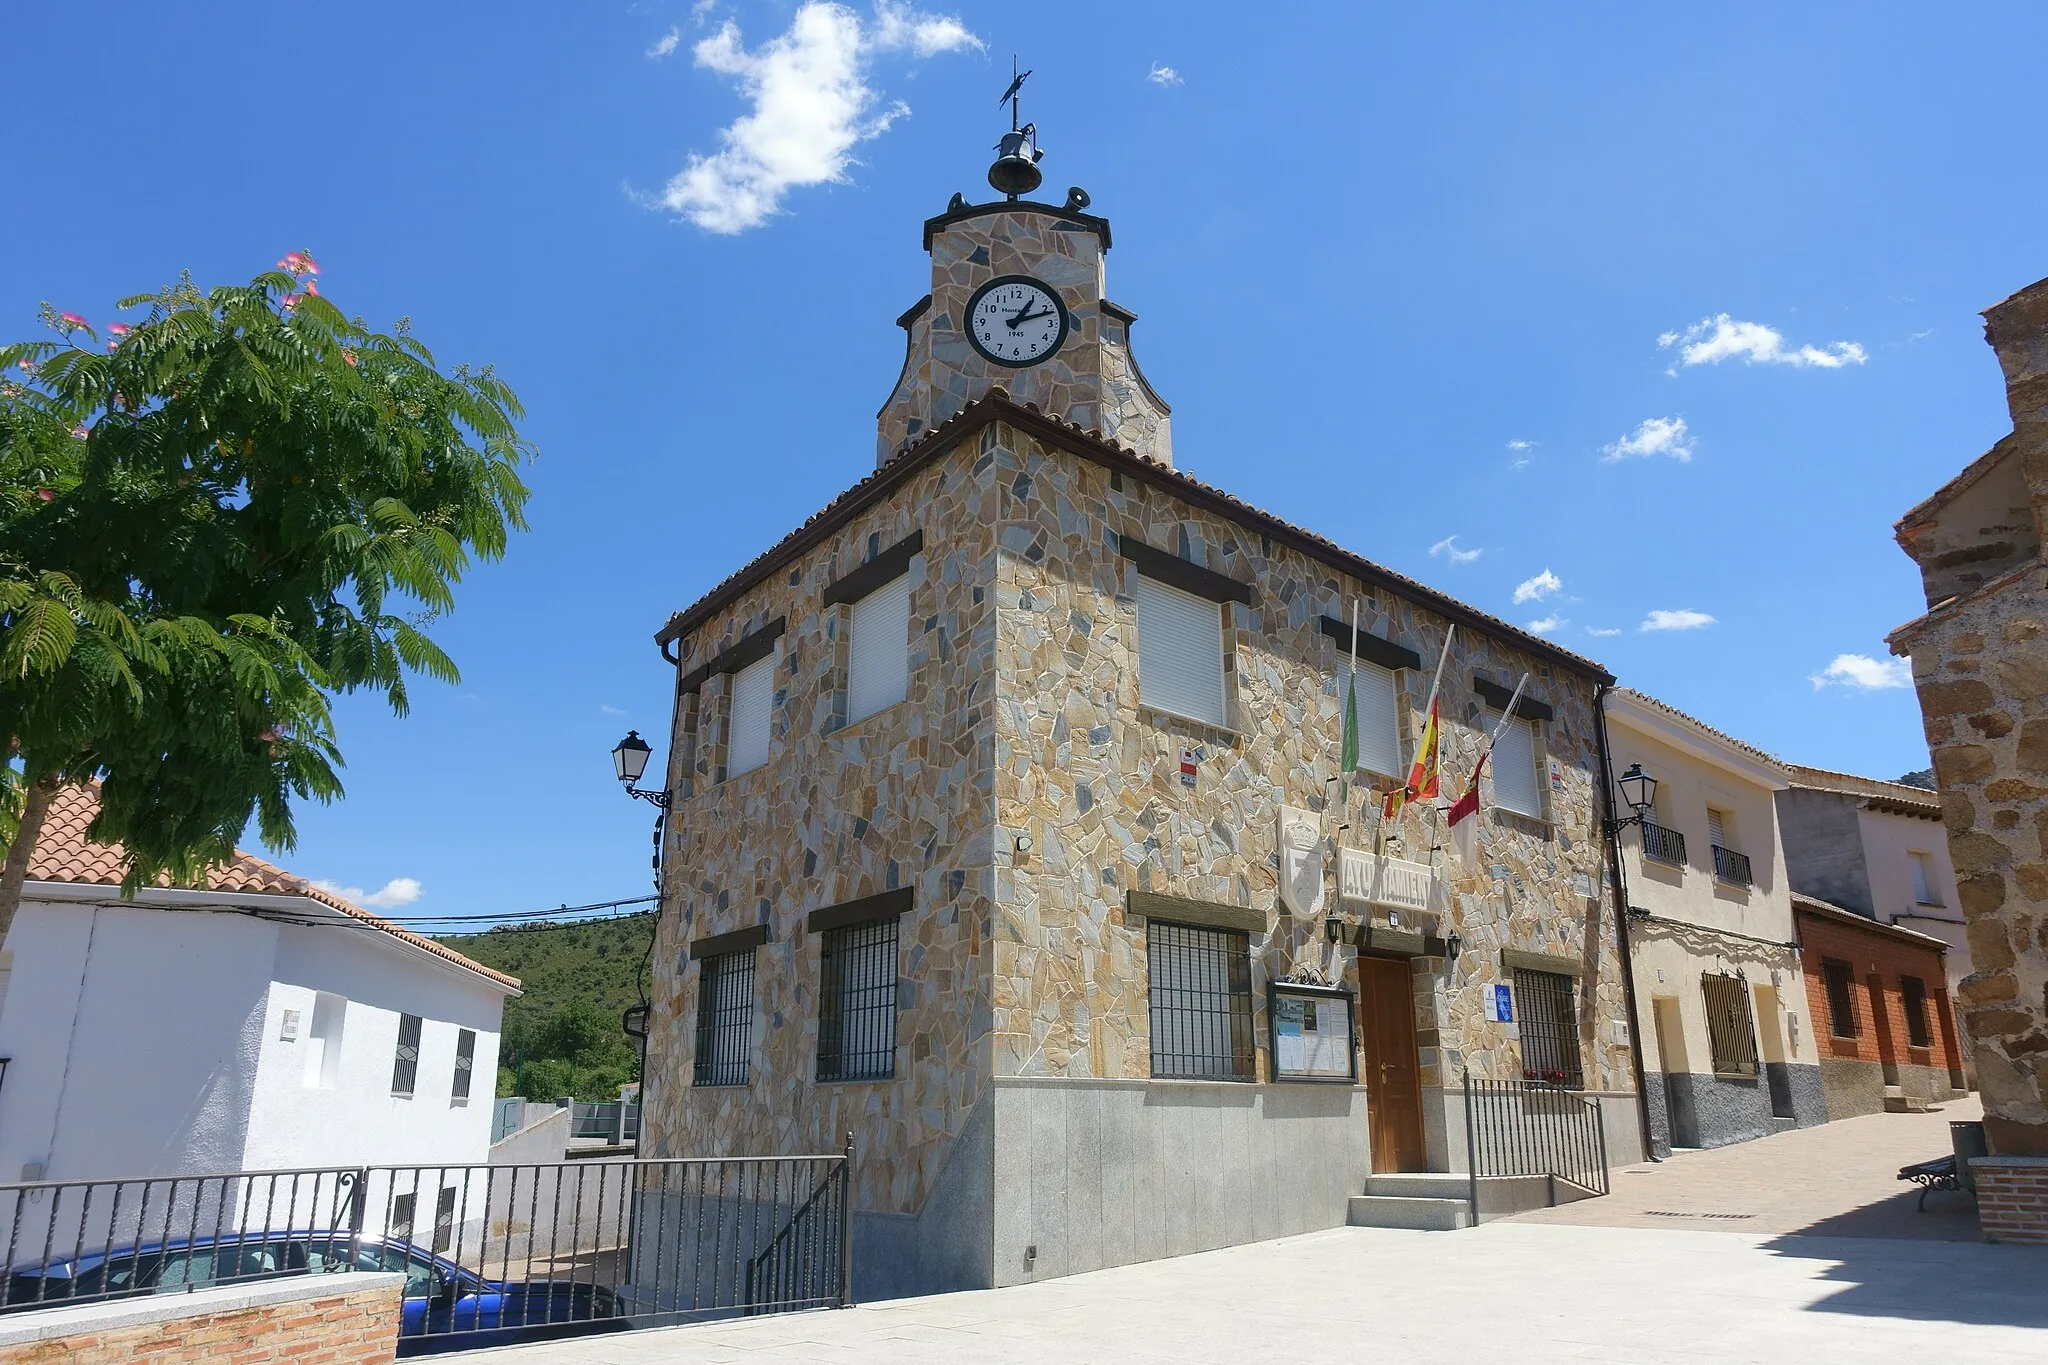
[{"x": 1016, "y": 169}]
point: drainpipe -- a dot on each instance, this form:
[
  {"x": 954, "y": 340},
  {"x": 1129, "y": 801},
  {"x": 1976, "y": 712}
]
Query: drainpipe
[{"x": 1621, "y": 930}]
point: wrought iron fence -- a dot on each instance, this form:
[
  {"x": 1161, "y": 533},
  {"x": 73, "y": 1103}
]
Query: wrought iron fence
[
  {"x": 1520, "y": 1128},
  {"x": 490, "y": 1254},
  {"x": 1661, "y": 845},
  {"x": 1731, "y": 867}
]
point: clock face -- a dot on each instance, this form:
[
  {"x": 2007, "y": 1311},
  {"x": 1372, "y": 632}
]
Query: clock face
[{"x": 1015, "y": 320}]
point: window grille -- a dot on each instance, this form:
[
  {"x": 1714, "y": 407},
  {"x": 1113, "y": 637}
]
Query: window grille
[
  {"x": 1180, "y": 652},
  {"x": 1662, "y": 845},
  {"x": 725, "y": 1019},
  {"x": 746, "y": 736},
  {"x": 465, "y": 1064},
  {"x": 399, "y": 1225},
  {"x": 1549, "y": 1028},
  {"x": 444, "y": 1219},
  {"x": 857, "y": 1002},
  {"x": 405, "y": 1069},
  {"x": 1379, "y": 717},
  {"x": 1731, "y": 1030},
  {"x": 1914, "y": 996},
  {"x": 1841, "y": 983},
  {"x": 1201, "y": 998},
  {"x": 1516, "y": 784},
  {"x": 878, "y": 649}
]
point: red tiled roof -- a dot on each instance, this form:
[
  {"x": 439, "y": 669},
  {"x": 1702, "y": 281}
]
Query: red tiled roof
[
  {"x": 64, "y": 854},
  {"x": 1645, "y": 699},
  {"x": 997, "y": 405}
]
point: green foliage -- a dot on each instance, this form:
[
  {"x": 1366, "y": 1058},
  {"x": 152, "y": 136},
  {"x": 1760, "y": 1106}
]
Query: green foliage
[
  {"x": 245, "y": 504},
  {"x": 562, "y": 1036}
]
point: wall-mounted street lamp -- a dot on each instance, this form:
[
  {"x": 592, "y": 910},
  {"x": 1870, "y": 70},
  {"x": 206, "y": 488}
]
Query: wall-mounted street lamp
[
  {"x": 1454, "y": 943},
  {"x": 1333, "y": 927},
  {"x": 1639, "y": 793},
  {"x": 629, "y": 760}
]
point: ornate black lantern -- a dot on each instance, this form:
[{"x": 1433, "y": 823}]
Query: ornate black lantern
[{"x": 1638, "y": 789}]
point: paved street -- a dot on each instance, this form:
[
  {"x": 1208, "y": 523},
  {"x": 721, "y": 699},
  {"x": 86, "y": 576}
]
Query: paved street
[
  {"x": 1507, "y": 1291},
  {"x": 1840, "y": 1179}
]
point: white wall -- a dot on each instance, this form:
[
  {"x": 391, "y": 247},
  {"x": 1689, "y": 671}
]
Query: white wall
[
  {"x": 359, "y": 1121},
  {"x": 132, "y": 1035},
  {"x": 147, "y": 1041}
]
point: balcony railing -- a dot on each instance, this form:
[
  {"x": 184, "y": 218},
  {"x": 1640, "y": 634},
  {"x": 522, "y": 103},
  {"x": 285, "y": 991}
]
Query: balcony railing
[
  {"x": 1731, "y": 867},
  {"x": 1661, "y": 845}
]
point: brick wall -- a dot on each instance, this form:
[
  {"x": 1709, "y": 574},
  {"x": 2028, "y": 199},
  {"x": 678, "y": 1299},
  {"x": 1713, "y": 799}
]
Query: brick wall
[
  {"x": 356, "y": 1326},
  {"x": 2012, "y": 1198},
  {"x": 1874, "y": 953}
]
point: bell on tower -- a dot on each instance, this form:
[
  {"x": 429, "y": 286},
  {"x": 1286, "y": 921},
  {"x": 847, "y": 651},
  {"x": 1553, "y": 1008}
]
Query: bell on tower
[
  {"x": 1017, "y": 155},
  {"x": 1017, "y": 304}
]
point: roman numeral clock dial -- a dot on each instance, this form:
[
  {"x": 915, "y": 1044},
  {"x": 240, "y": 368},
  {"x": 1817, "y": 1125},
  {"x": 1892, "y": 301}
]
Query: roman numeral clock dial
[{"x": 1014, "y": 320}]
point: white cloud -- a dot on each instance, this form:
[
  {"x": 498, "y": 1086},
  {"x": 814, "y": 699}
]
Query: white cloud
[
  {"x": 1448, "y": 547},
  {"x": 397, "y": 892},
  {"x": 1864, "y": 673},
  {"x": 1163, "y": 75},
  {"x": 701, "y": 11},
  {"x": 812, "y": 104},
  {"x": 1713, "y": 340},
  {"x": 1522, "y": 457},
  {"x": 1603, "y": 631},
  {"x": 1655, "y": 436},
  {"x": 1537, "y": 588},
  {"x": 1521, "y": 445},
  {"x": 1683, "y": 619},
  {"x": 608, "y": 709},
  {"x": 666, "y": 43},
  {"x": 1545, "y": 625}
]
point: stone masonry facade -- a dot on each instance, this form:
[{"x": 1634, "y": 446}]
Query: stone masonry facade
[{"x": 1980, "y": 665}]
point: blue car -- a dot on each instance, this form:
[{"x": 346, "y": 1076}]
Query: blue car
[{"x": 446, "y": 1305}]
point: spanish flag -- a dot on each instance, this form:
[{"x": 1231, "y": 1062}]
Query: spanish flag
[{"x": 1422, "y": 774}]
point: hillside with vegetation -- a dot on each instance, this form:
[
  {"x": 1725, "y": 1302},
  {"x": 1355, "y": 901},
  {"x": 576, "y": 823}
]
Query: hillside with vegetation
[{"x": 562, "y": 1036}]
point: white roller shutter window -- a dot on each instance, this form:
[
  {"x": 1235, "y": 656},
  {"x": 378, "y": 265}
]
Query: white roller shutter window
[
  {"x": 1717, "y": 832},
  {"x": 878, "y": 654},
  {"x": 1180, "y": 652},
  {"x": 1379, "y": 720},
  {"x": 1515, "y": 783},
  {"x": 753, "y": 694}
]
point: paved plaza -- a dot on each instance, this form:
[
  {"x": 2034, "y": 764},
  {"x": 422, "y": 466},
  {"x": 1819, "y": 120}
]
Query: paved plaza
[{"x": 1827, "y": 1261}]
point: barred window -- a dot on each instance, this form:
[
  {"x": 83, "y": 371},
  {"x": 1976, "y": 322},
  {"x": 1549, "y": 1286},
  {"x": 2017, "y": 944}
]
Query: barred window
[
  {"x": 1914, "y": 993},
  {"x": 406, "y": 1065},
  {"x": 1841, "y": 983},
  {"x": 1201, "y": 1002},
  {"x": 465, "y": 1065},
  {"x": 725, "y": 1018},
  {"x": 1549, "y": 1025},
  {"x": 1731, "y": 1030},
  {"x": 857, "y": 1002}
]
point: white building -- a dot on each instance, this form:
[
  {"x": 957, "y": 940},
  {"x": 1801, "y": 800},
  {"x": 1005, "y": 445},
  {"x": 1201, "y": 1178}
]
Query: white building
[
  {"x": 1729, "y": 1051},
  {"x": 258, "y": 1024}
]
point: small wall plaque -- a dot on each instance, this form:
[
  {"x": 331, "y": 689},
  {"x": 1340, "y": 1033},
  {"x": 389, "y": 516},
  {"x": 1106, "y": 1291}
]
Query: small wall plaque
[{"x": 288, "y": 1031}]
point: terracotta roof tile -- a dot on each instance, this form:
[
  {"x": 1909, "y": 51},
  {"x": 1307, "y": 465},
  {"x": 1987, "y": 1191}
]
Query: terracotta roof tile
[
  {"x": 1645, "y": 699},
  {"x": 64, "y": 854}
]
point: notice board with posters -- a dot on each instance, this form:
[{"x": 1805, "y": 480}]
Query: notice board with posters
[{"x": 1314, "y": 1032}]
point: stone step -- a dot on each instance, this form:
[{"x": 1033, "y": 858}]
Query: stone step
[
  {"x": 1394, "y": 1211},
  {"x": 1907, "y": 1104},
  {"x": 1420, "y": 1185}
]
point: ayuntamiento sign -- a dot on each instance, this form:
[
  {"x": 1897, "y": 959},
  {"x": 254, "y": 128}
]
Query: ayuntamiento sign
[{"x": 1378, "y": 880}]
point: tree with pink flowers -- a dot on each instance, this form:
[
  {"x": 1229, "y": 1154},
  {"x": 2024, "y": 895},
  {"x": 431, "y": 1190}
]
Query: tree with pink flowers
[{"x": 231, "y": 507}]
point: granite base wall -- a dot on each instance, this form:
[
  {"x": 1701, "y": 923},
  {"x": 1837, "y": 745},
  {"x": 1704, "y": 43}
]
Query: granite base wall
[
  {"x": 1852, "y": 1086},
  {"x": 1098, "y": 1173},
  {"x": 1715, "y": 1111},
  {"x": 947, "y": 1244},
  {"x": 1798, "y": 1092}
]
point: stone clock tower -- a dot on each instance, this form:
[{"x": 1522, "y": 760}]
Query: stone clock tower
[{"x": 1017, "y": 303}]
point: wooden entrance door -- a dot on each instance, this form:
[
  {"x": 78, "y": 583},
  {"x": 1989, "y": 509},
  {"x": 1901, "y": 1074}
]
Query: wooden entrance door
[{"x": 1393, "y": 1094}]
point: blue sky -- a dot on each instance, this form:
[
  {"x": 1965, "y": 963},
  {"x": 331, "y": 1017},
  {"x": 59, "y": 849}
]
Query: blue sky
[{"x": 1372, "y": 248}]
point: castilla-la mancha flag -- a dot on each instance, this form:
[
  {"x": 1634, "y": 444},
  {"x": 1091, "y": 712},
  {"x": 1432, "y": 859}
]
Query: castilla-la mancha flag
[
  {"x": 1422, "y": 773},
  {"x": 1464, "y": 829}
]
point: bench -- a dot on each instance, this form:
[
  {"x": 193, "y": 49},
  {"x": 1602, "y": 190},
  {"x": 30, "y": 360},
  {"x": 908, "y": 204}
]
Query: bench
[{"x": 1938, "y": 1174}]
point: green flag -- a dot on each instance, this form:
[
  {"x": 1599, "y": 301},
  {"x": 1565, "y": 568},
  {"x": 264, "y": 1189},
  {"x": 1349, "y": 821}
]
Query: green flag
[{"x": 1350, "y": 762}]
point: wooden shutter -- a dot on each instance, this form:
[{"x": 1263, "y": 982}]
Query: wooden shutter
[
  {"x": 1515, "y": 786},
  {"x": 1379, "y": 720},
  {"x": 878, "y": 654},
  {"x": 753, "y": 693},
  {"x": 1180, "y": 652}
]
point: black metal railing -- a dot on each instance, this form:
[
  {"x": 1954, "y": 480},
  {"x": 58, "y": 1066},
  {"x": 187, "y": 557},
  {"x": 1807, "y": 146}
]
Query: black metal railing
[
  {"x": 490, "y": 1254},
  {"x": 1661, "y": 845},
  {"x": 1519, "y": 1128},
  {"x": 1731, "y": 867}
]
